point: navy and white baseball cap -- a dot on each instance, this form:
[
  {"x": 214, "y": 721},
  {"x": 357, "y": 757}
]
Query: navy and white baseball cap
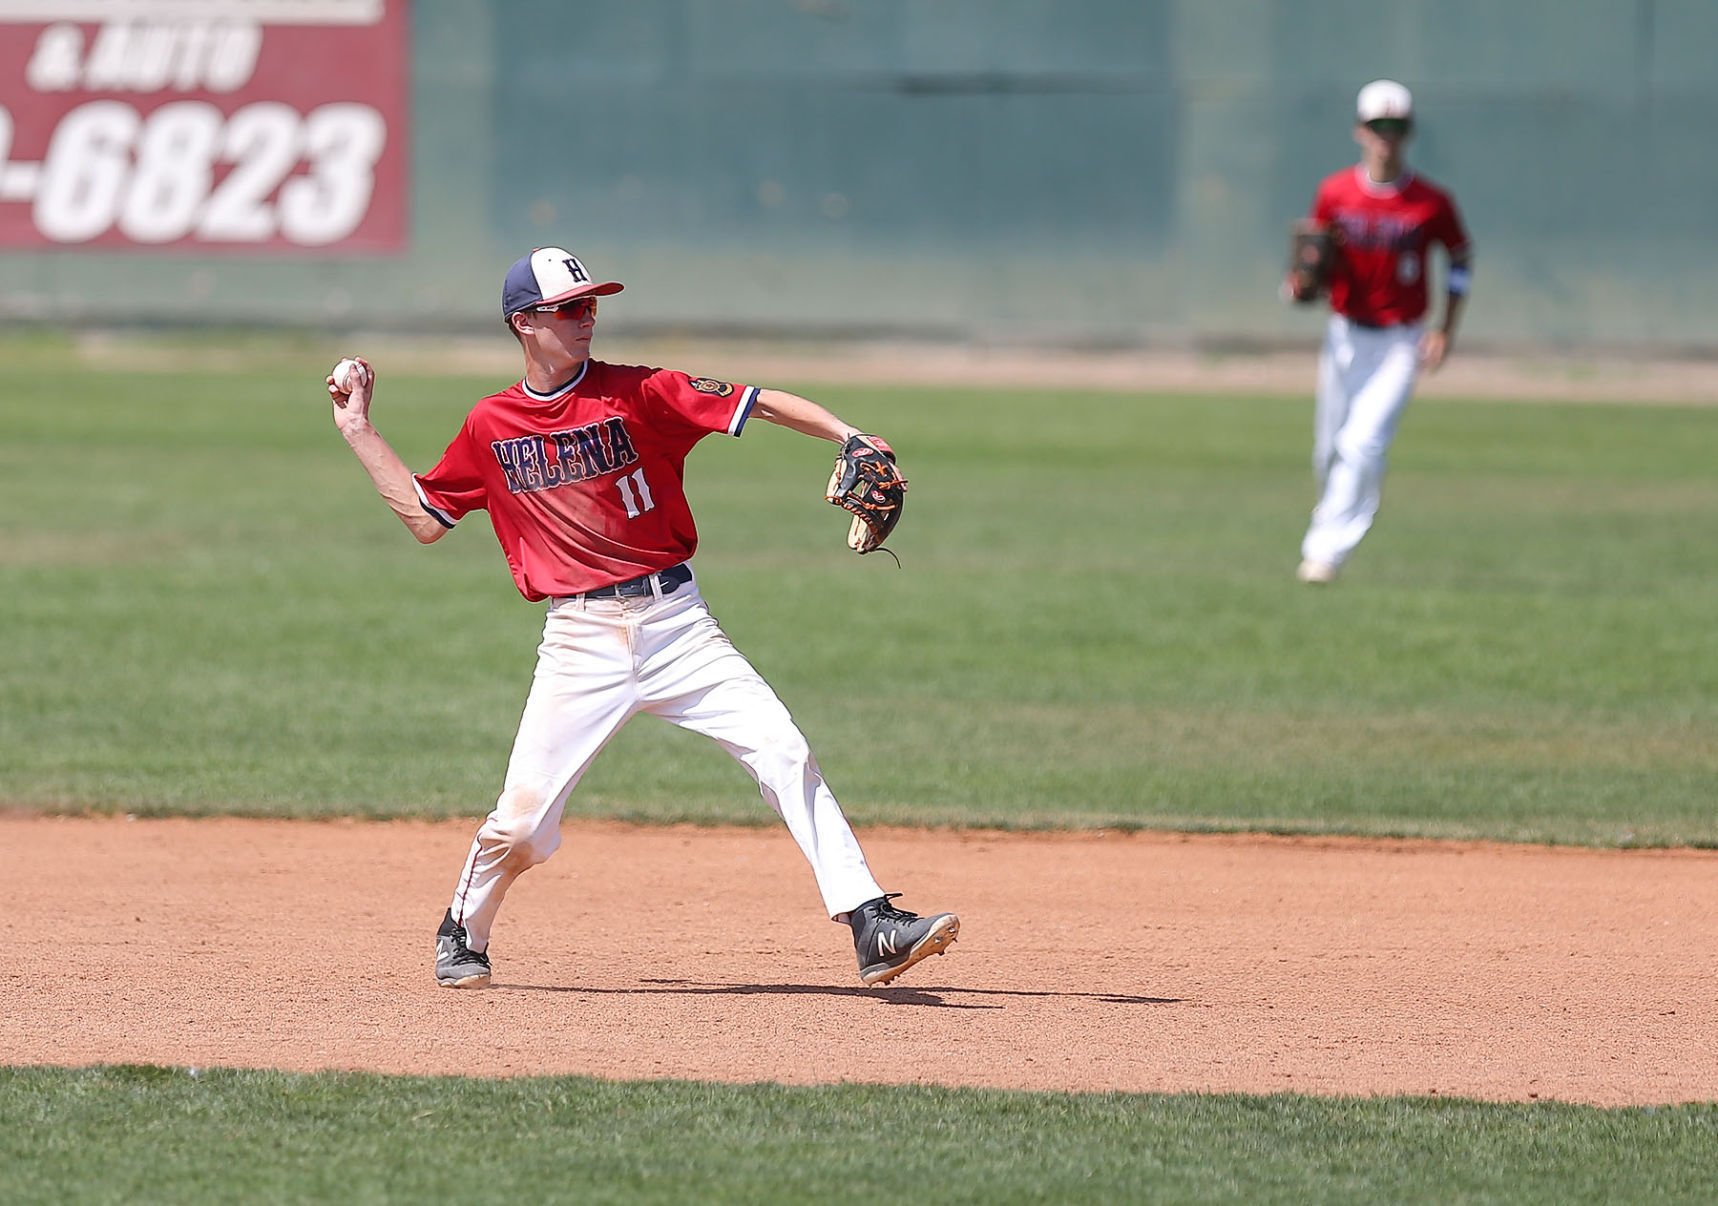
[
  {"x": 1384, "y": 98},
  {"x": 547, "y": 276}
]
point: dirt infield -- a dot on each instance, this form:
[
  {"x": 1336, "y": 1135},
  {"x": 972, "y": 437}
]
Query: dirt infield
[{"x": 1101, "y": 961}]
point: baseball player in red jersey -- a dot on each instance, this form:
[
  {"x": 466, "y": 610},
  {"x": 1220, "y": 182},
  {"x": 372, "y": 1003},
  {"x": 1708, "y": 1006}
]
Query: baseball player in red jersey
[
  {"x": 1384, "y": 220},
  {"x": 580, "y": 466}
]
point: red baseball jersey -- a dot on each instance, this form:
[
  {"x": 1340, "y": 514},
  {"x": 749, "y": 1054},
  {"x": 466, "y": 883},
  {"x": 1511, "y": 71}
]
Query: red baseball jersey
[
  {"x": 585, "y": 486},
  {"x": 1384, "y": 232}
]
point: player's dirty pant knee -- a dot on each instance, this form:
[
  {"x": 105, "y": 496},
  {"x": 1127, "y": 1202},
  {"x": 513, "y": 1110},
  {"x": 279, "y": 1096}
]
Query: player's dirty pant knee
[{"x": 514, "y": 835}]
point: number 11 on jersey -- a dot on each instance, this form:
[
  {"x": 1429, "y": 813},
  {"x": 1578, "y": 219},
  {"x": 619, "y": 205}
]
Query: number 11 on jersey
[{"x": 637, "y": 501}]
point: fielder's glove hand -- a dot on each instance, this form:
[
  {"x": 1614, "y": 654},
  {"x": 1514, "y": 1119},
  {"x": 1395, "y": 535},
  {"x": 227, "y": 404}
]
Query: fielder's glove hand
[
  {"x": 1312, "y": 254},
  {"x": 867, "y": 484}
]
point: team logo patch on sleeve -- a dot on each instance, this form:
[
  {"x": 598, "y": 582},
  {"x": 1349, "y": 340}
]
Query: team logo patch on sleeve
[{"x": 708, "y": 385}]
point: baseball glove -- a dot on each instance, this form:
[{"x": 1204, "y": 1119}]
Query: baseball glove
[
  {"x": 867, "y": 484},
  {"x": 1312, "y": 252}
]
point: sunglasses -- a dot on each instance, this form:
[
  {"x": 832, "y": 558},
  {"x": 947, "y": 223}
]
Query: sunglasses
[
  {"x": 1389, "y": 125},
  {"x": 579, "y": 307}
]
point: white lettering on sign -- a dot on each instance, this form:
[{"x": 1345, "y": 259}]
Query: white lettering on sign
[
  {"x": 156, "y": 178},
  {"x": 167, "y": 123},
  {"x": 57, "y": 61},
  {"x": 138, "y": 56}
]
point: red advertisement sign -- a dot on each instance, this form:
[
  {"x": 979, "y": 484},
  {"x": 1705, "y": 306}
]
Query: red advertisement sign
[{"x": 204, "y": 125}]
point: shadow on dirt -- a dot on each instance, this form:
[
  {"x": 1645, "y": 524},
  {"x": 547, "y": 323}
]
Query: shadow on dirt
[{"x": 890, "y": 994}]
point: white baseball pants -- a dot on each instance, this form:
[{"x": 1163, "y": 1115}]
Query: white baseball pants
[
  {"x": 1365, "y": 378},
  {"x": 602, "y": 661}
]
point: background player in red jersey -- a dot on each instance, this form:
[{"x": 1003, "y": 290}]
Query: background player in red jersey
[
  {"x": 1383, "y": 220},
  {"x": 580, "y": 465}
]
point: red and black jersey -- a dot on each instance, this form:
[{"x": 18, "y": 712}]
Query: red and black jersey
[
  {"x": 585, "y": 485},
  {"x": 1383, "y": 234}
]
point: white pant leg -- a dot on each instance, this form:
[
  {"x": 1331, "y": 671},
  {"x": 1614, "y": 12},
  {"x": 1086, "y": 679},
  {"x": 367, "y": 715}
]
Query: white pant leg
[
  {"x": 1331, "y": 405},
  {"x": 692, "y": 675},
  {"x": 1377, "y": 381},
  {"x": 583, "y": 691}
]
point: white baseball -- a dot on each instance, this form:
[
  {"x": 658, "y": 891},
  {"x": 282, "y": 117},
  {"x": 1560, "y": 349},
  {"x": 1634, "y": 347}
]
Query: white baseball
[{"x": 348, "y": 375}]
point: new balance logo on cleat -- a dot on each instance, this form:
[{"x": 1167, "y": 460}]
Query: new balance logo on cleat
[{"x": 890, "y": 940}]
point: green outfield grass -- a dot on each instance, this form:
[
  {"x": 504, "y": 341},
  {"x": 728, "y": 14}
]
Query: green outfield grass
[
  {"x": 206, "y": 610},
  {"x": 162, "y": 1135}
]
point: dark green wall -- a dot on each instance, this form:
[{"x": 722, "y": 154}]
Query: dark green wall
[{"x": 1091, "y": 171}]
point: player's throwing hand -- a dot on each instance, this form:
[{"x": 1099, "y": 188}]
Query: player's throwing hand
[{"x": 350, "y": 384}]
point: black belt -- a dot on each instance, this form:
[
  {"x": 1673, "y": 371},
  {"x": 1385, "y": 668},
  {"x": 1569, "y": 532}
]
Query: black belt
[
  {"x": 1372, "y": 326},
  {"x": 669, "y": 580}
]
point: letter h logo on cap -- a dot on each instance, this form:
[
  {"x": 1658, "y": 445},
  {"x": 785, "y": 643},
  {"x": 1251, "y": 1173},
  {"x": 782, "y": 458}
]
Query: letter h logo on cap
[{"x": 547, "y": 276}]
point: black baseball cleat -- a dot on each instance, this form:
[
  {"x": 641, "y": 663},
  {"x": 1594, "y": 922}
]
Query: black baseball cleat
[
  {"x": 890, "y": 940},
  {"x": 456, "y": 964}
]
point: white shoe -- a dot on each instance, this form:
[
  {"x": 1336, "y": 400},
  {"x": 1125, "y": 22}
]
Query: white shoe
[{"x": 1316, "y": 572}]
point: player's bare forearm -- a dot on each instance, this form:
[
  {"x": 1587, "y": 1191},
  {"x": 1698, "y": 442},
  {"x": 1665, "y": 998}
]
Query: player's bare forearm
[
  {"x": 393, "y": 481},
  {"x": 802, "y": 415},
  {"x": 1435, "y": 345},
  {"x": 1452, "y": 314},
  {"x": 351, "y": 387}
]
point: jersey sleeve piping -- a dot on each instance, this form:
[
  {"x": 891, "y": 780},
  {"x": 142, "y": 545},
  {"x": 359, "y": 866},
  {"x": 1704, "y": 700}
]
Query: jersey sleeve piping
[
  {"x": 435, "y": 512},
  {"x": 743, "y": 411}
]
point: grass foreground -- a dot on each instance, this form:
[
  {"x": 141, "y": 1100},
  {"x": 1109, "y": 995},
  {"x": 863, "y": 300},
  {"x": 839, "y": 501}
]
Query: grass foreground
[{"x": 137, "y": 1134}]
